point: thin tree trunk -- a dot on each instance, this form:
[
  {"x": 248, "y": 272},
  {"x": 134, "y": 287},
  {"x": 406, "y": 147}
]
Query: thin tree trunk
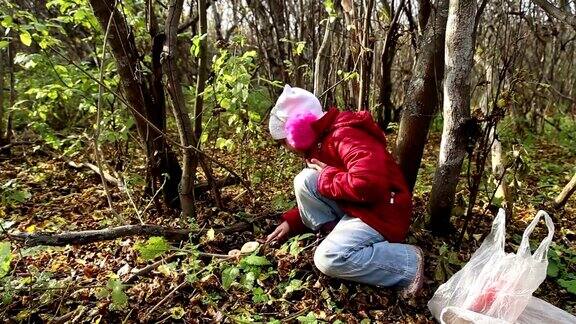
[
  {"x": 424, "y": 9},
  {"x": 148, "y": 102},
  {"x": 199, "y": 104},
  {"x": 6, "y": 137},
  {"x": 498, "y": 159},
  {"x": 183, "y": 122},
  {"x": 422, "y": 96},
  {"x": 563, "y": 197},
  {"x": 459, "y": 51},
  {"x": 217, "y": 24},
  {"x": 2, "y": 71},
  {"x": 385, "y": 107},
  {"x": 321, "y": 61},
  {"x": 365, "y": 59},
  {"x": 353, "y": 52}
]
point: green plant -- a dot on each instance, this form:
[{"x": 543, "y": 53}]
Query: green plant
[
  {"x": 447, "y": 264},
  {"x": 154, "y": 247},
  {"x": 5, "y": 258},
  {"x": 115, "y": 291},
  {"x": 562, "y": 266},
  {"x": 12, "y": 194},
  {"x": 248, "y": 275},
  {"x": 293, "y": 245}
]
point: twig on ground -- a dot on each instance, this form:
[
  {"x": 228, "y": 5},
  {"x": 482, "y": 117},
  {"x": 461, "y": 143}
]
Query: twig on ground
[
  {"x": 295, "y": 315},
  {"x": 149, "y": 268},
  {"x": 62, "y": 299},
  {"x": 166, "y": 298},
  {"x": 64, "y": 318}
]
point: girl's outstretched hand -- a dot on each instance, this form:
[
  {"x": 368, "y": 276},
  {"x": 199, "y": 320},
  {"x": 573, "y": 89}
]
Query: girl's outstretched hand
[
  {"x": 279, "y": 233},
  {"x": 316, "y": 164}
]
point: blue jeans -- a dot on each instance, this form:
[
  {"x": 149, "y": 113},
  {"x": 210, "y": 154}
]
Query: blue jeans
[{"x": 353, "y": 250}]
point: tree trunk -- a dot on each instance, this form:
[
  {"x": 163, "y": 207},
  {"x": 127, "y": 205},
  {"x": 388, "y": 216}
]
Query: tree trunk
[
  {"x": 365, "y": 59},
  {"x": 183, "y": 122},
  {"x": 424, "y": 9},
  {"x": 553, "y": 11},
  {"x": 268, "y": 43},
  {"x": 322, "y": 60},
  {"x": 2, "y": 72},
  {"x": 563, "y": 197},
  {"x": 385, "y": 107},
  {"x": 498, "y": 159},
  {"x": 6, "y": 127},
  {"x": 199, "y": 104},
  {"x": 352, "y": 52},
  {"x": 422, "y": 95},
  {"x": 147, "y": 102},
  {"x": 459, "y": 51}
]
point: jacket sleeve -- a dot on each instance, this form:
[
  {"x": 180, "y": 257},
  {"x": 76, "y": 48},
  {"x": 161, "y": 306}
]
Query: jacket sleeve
[
  {"x": 294, "y": 221},
  {"x": 365, "y": 178}
]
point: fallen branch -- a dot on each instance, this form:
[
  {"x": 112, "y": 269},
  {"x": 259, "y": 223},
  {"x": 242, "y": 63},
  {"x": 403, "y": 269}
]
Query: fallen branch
[
  {"x": 107, "y": 176},
  {"x": 198, "y": 189},
  {"x": 220, "y": 183},
  {"x": 568, "y": 190},
  {"x": 90, "y": 236},
  {"x": 9, "y": 145}
]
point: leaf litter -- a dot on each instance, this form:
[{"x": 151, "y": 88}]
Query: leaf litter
[{"x": 248, "y": 282}]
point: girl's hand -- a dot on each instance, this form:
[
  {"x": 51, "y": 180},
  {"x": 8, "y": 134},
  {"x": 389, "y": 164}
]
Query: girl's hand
[
  {"x": 316, "y": 164},
  {"x": 279, "y": 233}
]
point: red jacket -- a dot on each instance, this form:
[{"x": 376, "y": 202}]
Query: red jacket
[{"x": 361, "y": 176}]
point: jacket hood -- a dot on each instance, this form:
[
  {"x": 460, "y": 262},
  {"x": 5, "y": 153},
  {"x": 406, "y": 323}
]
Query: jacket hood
[{"x": 335, "y": 119}]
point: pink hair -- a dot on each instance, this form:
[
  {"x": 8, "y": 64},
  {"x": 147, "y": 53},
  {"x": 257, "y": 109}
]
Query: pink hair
[{"x": 299, "y": 132}]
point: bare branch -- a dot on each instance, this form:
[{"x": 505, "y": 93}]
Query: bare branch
[
  {"x": 557, "y": 13},
  {"x": 107, "y": 234}
]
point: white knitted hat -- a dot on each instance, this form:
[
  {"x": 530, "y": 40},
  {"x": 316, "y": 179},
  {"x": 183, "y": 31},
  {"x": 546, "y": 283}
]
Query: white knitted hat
[{"x": 290, "y": 101}]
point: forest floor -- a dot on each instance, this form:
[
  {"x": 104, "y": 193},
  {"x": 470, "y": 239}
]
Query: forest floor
[{"x": 41, "y": 192}]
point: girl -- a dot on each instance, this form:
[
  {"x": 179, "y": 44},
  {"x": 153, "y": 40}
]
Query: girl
[{"x": 351, "y": 187}]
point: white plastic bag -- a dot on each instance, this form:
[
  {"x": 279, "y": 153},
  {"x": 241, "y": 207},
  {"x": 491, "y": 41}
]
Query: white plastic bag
[
  {"x": 495, "y": 285},
  {"x": 539, "y": 311},
  {"x": 536, "y": 312}
]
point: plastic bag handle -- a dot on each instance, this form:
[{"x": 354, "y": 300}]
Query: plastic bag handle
[
  {"x": 497, "y": 234},
  {"x": 542, "y": 252}
]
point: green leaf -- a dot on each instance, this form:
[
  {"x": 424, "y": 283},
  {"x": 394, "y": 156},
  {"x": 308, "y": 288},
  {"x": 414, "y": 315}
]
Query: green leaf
[
  {"x": 4, "y": 44},
  {"x": 229, "y": 275},
  {"x": 119, "y": 297},
  {"x": 310, "y": 318},
  {"x": 248, "y": 280},
  {"x": 299, "y": 48},
  {"x": 154, "y": 247},
  {"x": 25, "y": 38},
  {"x": 259, "y": 296},
  {"x": 569, "y": 285},
  {"x": 7, "y": 297},
  {"x": 195, "y": 49},
  {"x": 256, "y": 260},
  {"x": 7, "y": 21},
  {"x": 553, "y": 269},
  {"x": 177, "y": 312},
  {"x": 5, "y": 258},
  {"x": 294, "y": 285}
]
